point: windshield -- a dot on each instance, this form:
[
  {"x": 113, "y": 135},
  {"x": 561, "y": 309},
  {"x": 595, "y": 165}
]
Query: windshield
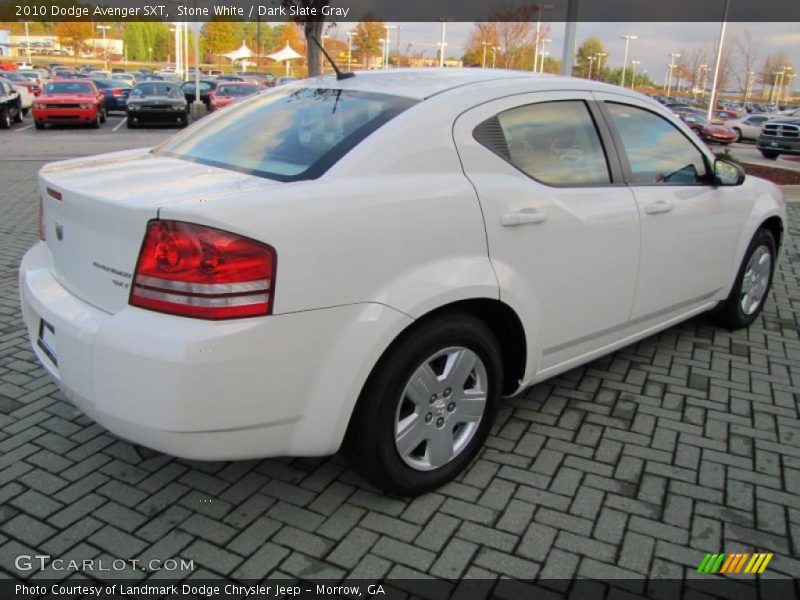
[
  {"x": 289, "y": 134},
  {"x": 157, "y": 89},
  {"x": 236, "y": 90},
  {"x": 68, "y": 87}
]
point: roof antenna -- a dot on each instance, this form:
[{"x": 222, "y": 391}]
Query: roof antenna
[{"x": 339, "y": 74}]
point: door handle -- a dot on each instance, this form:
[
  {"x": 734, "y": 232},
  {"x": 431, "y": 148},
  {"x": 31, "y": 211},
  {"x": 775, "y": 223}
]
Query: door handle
[
  {"x": 657, "y": 208},
  {"x": 522, "y": 217}
]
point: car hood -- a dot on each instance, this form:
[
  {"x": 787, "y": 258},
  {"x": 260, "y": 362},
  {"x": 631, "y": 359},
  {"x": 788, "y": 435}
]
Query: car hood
[{"x": 719, "y": 129}]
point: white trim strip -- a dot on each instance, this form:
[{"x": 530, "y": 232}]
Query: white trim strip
[
  {"x": 260, "y": 285},
  {"x": 202, "y": 301}
]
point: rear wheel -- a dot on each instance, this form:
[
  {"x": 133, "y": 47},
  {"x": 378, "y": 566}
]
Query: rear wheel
[
  {"x": 18, "y": 114},
  {"x": 753, "y": 282},
  {"x": 771, "y": 154},
  {"x": 5, "y": 118},
  {"x": 130, "y": 122},
  {"x": 428, "y": 406},
  {"x": 96, "y": 122},
  {"x": 738, "y": 133}
]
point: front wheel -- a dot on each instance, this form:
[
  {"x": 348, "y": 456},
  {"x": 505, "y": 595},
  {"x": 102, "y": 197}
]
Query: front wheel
[
  {"x": 771, "y": 154},
  {"x": 131, "y": 124},
  {"x": 753, "y": 282},
  {"x": 428, "y": 406},
  {"x": 18, "y": 114},
  {"x": 5, "y": 119},
  {"x": 103, "y": 115}
]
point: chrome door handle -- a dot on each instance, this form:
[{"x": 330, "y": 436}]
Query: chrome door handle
[
  {"x": 522, "y": 217},
  {"x": 657, "y": 208}
]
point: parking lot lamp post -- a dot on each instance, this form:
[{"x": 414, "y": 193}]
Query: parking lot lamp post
[
  {"x": 787, "y": 89},
  {"x": 28, "y": 42},
  {"x": 776, "y": 76},
  {"x": 600, "y": 57},
  {"x": 713, "y": 100},
  {"x": 591, "y": 63},
  {"x": 494, "y": 55},
  {"x": 350, "y": 35},
  {"x": 443, "y": 43},
  {"x": 543, "y": 53},
  {"x": 671, "y": 68},
  {"x": 387, "y": 46},
  {"x": 634, "y": 64},
  {"x": 782, "y": 87},
  {"x": 105, "y": 45},
  {"x": 627, "y": 38},
  {"x": 483, "y": 64},
  {"x": 539, "y": 8}
]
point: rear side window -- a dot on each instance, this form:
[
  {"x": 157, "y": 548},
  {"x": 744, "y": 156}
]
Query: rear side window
[
  {"x": 554, "y": 142},
  {"x": 288, "y": 134},
  {"x": 657, "y": 151}
]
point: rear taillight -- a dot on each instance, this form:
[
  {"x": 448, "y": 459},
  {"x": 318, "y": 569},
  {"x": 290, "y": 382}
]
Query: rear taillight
[
  {"x": 203, "y": 272},
  {"x": 116, "y": 92}
]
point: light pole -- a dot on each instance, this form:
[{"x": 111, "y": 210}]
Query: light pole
[
  {"x": 713, "y": 100},
  {"x": 787, "y": 89},
  {"x": 350, "y": 35},
  {"x": 387, "y": 45},
  {"x": 105, "y": 45},
  {"x": 483, "y": 64},
  {"x": 177, "y": 31},
  {"x": 600, "y": 56},
  {"x": 591, "y": 62},
  {"x": 671, "y": 67},
  {"x": 539, "y": 8},
  {"x": 28, "y": 42},
  {"x": 634, "y": 64},
  {"x": 443, "y": 42},
  {"x": 627, "y": 38},
  {"x": 494, "y": 55},
  {"x": 545, "y": 41},
  {"x": 186, "y": 51}
]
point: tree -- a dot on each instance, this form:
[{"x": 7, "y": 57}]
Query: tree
[
  {"x": 219, "y": 37},
  {"x": 73, "y": 34},
  {"x": 587, "y": 59},
  {"x": 482, "y": 33},
  {"x": 367, "y": 38},
  {"x": 747, "y": 50},
  {"x": 312, "y": 27},
  {"x": 769, "y": 73}
]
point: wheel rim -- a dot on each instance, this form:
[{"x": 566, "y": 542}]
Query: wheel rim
[
  {"x": 441, "y": 408},
  {"x": 755, "y": 280}
]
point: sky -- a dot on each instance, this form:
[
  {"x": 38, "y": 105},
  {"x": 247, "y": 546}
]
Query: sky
[{"x": 655, "y": 40}]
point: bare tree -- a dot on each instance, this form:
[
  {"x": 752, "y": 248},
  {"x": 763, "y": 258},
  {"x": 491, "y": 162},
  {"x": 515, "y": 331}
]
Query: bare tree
[{"x": 747, "y": 51}]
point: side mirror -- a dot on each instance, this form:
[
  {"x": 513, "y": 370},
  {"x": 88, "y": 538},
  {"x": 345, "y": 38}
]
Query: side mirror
[{"x": 728, "y": 173}]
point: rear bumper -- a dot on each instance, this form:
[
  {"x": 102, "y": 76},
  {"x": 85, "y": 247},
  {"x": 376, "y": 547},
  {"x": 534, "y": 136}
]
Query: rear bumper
[{"x": 250, "y": 388}]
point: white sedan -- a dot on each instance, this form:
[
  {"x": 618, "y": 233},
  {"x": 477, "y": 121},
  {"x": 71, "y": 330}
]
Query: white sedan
[
  {"x": 374, "y": 263},
  {"x": 748, "y": 127}
]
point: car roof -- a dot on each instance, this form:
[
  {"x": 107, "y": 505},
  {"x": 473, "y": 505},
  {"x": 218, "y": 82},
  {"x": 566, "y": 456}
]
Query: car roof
[{"x": 427, "y": 82}]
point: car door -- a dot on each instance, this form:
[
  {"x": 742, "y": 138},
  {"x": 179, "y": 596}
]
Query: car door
[
  {"x": 689, "y": 226},
  {"x": 562, "y": 229}
]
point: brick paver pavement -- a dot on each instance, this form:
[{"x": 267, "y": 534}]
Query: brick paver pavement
[{"x": 634, "y": 465}]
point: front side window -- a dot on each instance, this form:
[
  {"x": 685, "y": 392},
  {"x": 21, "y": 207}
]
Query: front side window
[
  {"x": 288, "y": 134},
  {"x": 657, "y": 150},
  {"x": 555, "y": 143}
]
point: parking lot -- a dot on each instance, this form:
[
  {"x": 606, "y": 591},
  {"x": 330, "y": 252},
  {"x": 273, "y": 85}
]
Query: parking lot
[{"x": 633, "y": 466}]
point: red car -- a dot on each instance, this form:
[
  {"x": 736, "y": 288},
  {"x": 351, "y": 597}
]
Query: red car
[
  {"x": 228, "y": 92},
  {"x": 74, "y": 101},
  {"x": 709, "y": 132}
]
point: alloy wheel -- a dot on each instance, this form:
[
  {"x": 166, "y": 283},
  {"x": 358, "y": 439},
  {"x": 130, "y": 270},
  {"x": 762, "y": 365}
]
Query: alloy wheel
[
  {"x": 755, "y": 280},
  {"x": 441, "y": 408}
]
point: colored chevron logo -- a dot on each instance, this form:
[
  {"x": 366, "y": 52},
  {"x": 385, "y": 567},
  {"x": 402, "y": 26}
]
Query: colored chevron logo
[{"x": 734, "y": 563}]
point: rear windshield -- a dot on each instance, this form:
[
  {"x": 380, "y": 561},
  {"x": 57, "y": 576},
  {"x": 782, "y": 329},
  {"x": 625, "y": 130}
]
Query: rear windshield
[
  {"x": 288, "y": 134},
  {"x": 68, "y": 87},
  {"x": 157, "y": 89}
]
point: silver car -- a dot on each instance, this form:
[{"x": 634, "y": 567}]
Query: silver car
[{"x": 748, "y": 127}]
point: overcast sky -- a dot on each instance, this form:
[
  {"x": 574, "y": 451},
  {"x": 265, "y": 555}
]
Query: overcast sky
[{"x": 655, "y": 42}]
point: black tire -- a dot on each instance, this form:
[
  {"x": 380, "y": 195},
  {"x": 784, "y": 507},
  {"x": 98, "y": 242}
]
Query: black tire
[
  {"x": 18, "y": 114},
  {"x": 771, "y": 154},
  {"x": 5, "y": 118},
  {"x": 39, "y": 125},
  {"x": 738, "y": 133},
  {"x": 730, "y": 313},
  {"x": 370, "y": 442},
  {"x": 130, "y": 123},
  {"x": 183, "y": 122},
  {"x": 25, "y": 112},
  {"x": 103, "y": 115},
  {"x": 96, "y": 123}
]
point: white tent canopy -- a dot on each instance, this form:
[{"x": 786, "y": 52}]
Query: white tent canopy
[
  {"x": 241, "y": 53},
  {"x": 288, "y": 53}
]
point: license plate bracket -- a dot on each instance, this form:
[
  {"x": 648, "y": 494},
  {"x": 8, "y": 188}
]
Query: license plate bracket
[{"x": 47, "y": 341}]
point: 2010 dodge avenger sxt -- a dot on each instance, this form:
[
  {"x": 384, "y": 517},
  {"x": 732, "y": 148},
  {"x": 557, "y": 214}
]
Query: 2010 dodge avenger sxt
[{"x": 374, "y": 262}]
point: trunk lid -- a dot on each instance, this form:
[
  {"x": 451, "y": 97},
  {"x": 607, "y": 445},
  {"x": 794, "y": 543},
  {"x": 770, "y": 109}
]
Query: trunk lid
[{"x": 95, "y": 230}]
